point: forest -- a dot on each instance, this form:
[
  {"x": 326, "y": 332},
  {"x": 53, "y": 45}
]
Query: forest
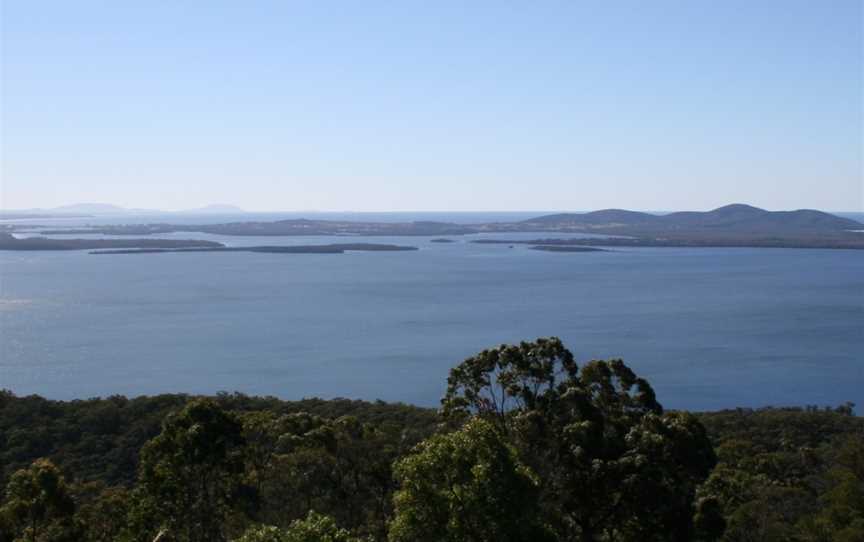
[{"x": 527, "y": 445}]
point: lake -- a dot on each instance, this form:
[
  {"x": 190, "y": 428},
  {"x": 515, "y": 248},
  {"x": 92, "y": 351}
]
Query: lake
[{"x": 709, "y": 328}]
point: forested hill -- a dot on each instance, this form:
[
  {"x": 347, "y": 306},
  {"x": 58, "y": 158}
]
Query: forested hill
[
  {"x": 734, "y": 218},
  {"x": 527, "y": 446}
]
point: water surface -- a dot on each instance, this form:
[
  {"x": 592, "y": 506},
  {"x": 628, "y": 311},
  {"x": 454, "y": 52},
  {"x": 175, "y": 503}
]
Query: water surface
[{"x": 710, "y": 328}]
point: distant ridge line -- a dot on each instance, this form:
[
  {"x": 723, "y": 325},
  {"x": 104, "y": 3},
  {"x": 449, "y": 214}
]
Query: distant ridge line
[{"x": 733, "y": 217}]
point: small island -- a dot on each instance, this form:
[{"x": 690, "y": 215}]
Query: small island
[
  {"x": 10, "y": 242},
  {"x": 566, "y": 248},
  {"x": 155, "y": 246},
  {"x": 298, "y": 249}
]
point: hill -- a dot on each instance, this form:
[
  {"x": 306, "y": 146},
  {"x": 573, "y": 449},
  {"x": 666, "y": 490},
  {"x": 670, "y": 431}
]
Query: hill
[
  {"x": 729, "y": 218},
  {"x": 603, "y": 217}
]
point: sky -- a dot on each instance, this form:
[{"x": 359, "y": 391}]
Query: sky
[{"x": 437, "y": 105}]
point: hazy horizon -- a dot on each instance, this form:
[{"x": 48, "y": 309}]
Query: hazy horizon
[
  {"x": 477, "y": 107},
  {"x": 206, "y": 206}
]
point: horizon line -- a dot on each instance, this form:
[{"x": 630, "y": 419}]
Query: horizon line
[{"x": 203, "y": 210}]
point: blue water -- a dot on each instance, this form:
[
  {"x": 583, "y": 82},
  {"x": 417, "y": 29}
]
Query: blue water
[{"x": 709, "y": 328}]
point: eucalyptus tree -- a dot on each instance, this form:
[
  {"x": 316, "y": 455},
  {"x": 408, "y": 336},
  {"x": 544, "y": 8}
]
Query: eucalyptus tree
[
  {"x": 342, "y": 468},
  {"x": 313, "y": 528},
  {"x": 611, "y": 464},
  {"x": 466, "y": 486},
  {"x": 190, "y": 475},
  {"x": 36, "y": 506}
]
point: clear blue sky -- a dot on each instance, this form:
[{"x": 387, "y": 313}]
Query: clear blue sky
[{"x": 369, "y": 105}]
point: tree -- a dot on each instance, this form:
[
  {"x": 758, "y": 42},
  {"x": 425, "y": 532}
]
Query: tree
[
  {"x": 190, "y": 474},
  {"x": 340, "y": 467},
  {"x": 842, "y": 516},
  {"x": 708, "y": 521},
  {"x": 788, "y": 473},
  {"x": 611, "y": 464},
  {"x": 101, "y": 511},
  {"x": 37, "y": 504},
  {"x": 466, "y": 486},
  {"x": 313, "y": 528}
]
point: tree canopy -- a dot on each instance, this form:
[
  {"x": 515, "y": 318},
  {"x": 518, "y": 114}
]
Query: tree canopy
[
  {"x": 528, "y": 445},
  {"x": 612, "y": 465},
  {"x": 468, "y": 485}
]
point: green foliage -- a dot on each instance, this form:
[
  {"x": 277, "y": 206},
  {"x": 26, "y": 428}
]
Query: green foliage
[
  {"x": 37, "y": 506},
  {"x": 611, "y": 464},
  {"x": 788, "y": 474},
  {"x": 841, "y": 517},
  {"x": 97, "y": 439},
  {"x": 466, "y": 486},
  {"x": 528, "y": 446},
  {"x": 313, "y": 528},
  {"x": 341, "y": 467},
  {"x": 296, "y": 456},
  {"x": 100, "y": 439},
  {"x": 190, "y": 474},
  {"x": 102, "y": 511}
]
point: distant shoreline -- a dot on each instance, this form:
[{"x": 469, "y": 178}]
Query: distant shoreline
[
  {"x": 296, "y": 249},
  {"x": 734, "y": 225},
  {"x": 683, "y": 242},
  {"x": 151, "y": 246}
]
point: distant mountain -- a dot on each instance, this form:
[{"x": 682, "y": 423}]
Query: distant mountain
[
  {"x": 606, "y": 216},
  {"x": 722, "y": 216},
  {"x": 730, "y": 218},
  {"x": 739, "y": 217},
  {"x": 811, "y": 219}
]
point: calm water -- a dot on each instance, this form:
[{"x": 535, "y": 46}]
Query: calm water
[{"x": 709, "y": 328}]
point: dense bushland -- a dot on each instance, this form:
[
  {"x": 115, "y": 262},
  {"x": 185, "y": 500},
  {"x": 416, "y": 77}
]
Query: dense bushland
[{"x": 526, "y": 446}]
